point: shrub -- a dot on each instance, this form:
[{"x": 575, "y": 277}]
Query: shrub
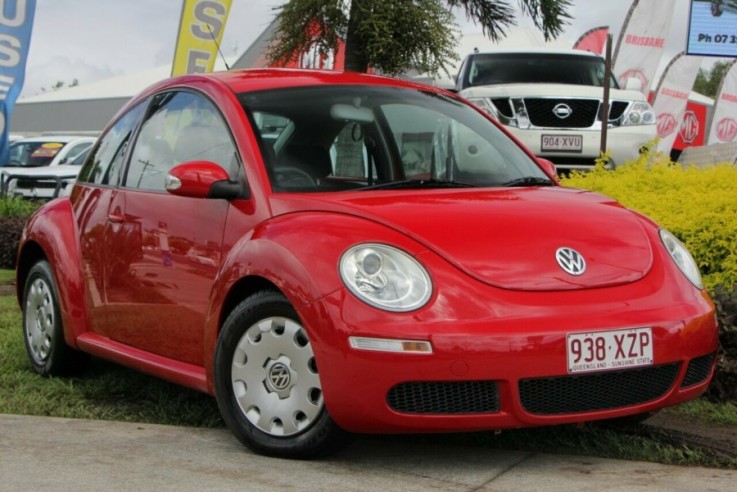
[
  {"x": 14, "y": 211},
  {"x": 724, "y": 385}
]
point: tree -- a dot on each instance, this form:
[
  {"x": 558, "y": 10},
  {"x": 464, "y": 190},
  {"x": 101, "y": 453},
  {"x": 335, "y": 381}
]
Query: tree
[
  {"x": 393, "y": 36},
  {"x": 708, "y": 82}
]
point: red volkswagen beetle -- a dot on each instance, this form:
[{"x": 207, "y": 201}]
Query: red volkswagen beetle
[{"x": 331, "y": 253}]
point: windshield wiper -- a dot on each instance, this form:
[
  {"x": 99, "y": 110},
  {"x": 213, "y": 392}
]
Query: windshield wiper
[
  {"x": 418, "y": 183},
  {"x": 529, "y": 181}
]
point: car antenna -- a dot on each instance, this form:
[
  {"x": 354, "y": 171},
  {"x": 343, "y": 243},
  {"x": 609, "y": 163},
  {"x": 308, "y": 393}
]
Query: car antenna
[{"x": 217, "y": 45}]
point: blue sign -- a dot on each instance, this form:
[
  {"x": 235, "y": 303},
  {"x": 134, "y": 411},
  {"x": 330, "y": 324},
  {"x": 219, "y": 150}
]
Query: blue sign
[{"x": 16, "y": 21}]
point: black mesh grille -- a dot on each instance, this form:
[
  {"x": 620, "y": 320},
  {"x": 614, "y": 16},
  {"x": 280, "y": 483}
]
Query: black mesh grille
[
  {"x": 583, "y": 112},
  {"x": 442, "y": 397},
  {"x": 617, "y": 109},
  {"x": 601, "y": 391},
  {"x": 503, "y": 106},
  {"x": 698, "y": 370}
]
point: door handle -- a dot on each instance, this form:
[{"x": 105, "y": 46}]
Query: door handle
[{"x": 116, "y": 218}]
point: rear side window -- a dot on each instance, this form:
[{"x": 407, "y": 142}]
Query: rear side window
[{"x": 107, "y": 162}]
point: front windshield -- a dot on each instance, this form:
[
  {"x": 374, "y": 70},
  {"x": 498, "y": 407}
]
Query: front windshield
[
  {"x": 333, "y": 138},
  {"x": 535, "y": 68},
  {"x": 33, "y": 154}
]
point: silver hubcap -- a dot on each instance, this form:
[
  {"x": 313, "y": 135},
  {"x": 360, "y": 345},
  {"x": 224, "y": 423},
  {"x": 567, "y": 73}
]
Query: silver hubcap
[
  {"x": 40, "y": 320},
  {"x": 275, "y": 379}
]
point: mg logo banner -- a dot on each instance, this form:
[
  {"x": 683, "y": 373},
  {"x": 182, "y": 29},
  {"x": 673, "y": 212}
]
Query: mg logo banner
[
  {"x": 726, "y": 129},
  {"x": 689, "y": 127},
  {"x": 634, "y": 73},
  {"x": 666, "y": 124}
]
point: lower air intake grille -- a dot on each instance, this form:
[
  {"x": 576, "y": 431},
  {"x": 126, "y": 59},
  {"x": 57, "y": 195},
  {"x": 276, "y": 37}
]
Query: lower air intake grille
[
  {"x": 698, "y": 370},
  {"x": 600, "y": 391},
  {"x": 445, "y": 397}
]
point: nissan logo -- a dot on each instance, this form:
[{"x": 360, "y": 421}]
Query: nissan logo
[
  {"x": 562, "y": 111},
  {"x": 279, "y": 376},
  {"x": 570, "y": 261}
]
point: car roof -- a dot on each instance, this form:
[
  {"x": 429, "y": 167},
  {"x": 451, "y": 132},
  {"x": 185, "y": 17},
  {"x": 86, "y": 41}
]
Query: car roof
[
  {"x": 249, "y": 80},
  {"x": 537, "y": 51}
]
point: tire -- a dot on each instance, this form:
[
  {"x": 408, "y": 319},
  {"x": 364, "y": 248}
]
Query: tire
[
  {"x": 43, "y": 332},
  {"x": 716, "y": 8},
  {"x": 266, "y": 382}
]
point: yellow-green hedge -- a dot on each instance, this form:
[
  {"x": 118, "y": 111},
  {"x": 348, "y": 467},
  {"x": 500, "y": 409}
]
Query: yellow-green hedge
[{"x": 699, "y": 205}]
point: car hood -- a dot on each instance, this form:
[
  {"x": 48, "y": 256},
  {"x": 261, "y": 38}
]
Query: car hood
[
  {"x": 549, "y": 90},
  {"x": 507, "y": 237}
]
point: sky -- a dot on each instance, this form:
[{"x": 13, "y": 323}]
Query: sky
[{"x": 89, "y": 40}]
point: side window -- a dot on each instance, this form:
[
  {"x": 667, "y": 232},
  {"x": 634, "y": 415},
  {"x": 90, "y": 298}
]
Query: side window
[
  {"x": 107, "y": 162},
  {"x": 180, "y": 127},
  {"x": 76, "y": 150}
]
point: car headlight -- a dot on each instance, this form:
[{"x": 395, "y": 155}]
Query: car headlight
[
  {"x": 385, "y": 277},
  {"x": 682, "y": 258},
  {"x": 641, "y": 113}
]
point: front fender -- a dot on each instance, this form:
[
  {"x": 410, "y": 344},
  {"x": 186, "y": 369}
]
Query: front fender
[
  {"x": 51, "y": 234},
  {"x": 299, "y": 254}
]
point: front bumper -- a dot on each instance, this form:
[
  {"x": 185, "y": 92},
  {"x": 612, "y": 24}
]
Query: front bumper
[
  {"x": 623, "y": 144},
  {"x": 508, "y": 369}
]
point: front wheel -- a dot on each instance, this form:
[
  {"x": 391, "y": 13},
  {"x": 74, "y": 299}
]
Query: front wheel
[
  {"x": 267, "y": 384},
  {"x": 42, "y": 326}
]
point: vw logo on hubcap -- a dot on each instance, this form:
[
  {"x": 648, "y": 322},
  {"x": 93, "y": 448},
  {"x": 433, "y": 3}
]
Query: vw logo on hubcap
[
  {"x": 562, "y": 111},
  {"x": 279, "y": 376},
  {"x": 570, "y": 261}
]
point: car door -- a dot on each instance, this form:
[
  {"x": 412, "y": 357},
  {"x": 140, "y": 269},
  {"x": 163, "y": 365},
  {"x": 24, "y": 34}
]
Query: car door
[
  {"x": 169, "y": 247},
  {"x": 97, "y": 206}
]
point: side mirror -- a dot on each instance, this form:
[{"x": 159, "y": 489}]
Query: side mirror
[
  {"x": 549, "y": 168},
  {"x": 201, "y": 179},
  {"x": 633, "y": 84}
]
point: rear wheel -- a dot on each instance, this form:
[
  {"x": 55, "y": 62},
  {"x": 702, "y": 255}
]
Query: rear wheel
[
  {"x": 42, "y": 327},
  {"x": 267, "y": 383}
]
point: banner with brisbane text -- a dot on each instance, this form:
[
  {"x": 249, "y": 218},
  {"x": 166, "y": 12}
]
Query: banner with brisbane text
[
  {"x": 642, "y": 41},
  {"x": 723, "y": 126},
  {"x": 200, "y": 33},
  {"x": 16, "y": 22},
  {"x": 671, "y": 97}
]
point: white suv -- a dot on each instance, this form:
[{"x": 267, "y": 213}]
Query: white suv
[
  {"x": 551, "y": 101},
  {"x": 40, "y": 166}
]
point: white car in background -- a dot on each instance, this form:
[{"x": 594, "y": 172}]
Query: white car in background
[
  {"x": 38, "y": 165},
  {"x": 551, "y": 100},
  {"x": 46, "y": 182}
]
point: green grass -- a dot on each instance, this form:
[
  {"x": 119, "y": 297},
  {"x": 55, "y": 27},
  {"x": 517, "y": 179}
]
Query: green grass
[
  {"x": 7, "y": 276},
  {"x": 717, "y": 413},
  {"x": 106, "y": 391}
]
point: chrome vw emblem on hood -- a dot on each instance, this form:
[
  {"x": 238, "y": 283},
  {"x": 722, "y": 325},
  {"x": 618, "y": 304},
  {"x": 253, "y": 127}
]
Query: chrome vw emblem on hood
[
  {"x": 562, "y": 111},
  {"x": 570, "y": 261}
]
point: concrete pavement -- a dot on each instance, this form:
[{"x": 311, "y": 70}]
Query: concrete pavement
[{"x": 41, "y": 453}]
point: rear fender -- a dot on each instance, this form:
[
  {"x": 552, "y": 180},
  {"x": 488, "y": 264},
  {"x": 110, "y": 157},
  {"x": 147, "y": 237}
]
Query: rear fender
[{"x": 51, "y": 234}]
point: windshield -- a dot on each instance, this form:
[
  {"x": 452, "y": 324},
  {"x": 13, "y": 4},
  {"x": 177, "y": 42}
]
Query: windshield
[
  {"x": 535, "y": 68},
  {"x": 33, "y": 154},
  {"x": 333, "y": 138}
]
